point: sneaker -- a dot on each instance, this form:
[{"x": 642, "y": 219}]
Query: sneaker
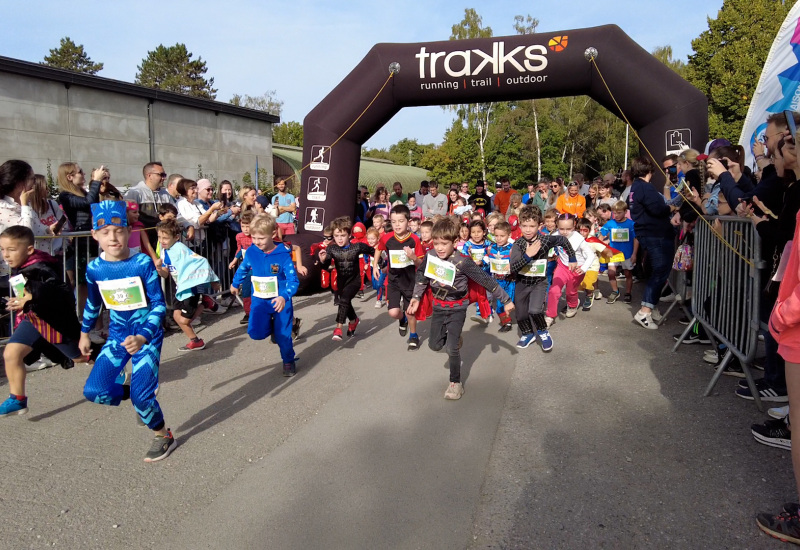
[
  {"x": 161, "y": 447},
  {"x": 765, "y": 392},
  {"x": 684, "y": 320},
  {"x": 597, "y": 294},
  {"x": 220, "y": 309},
  {"x": 785, "y": 526},
  {"x": 779, "y": 412},
  {"x": 413, "y": 343},
  {"x": 360, "y": 294},
  {"x": 337, "y": 334},
  {"x": 506, "y": 327},
  {"x": 378, "y": 304},
  {"x": 546, "y": 340},
  {"x": 454, "y": 391},
  {"x": 525, "y": 341},
  {"x": 245, "y": 320},
  {"x": 571, "y": 311},
  {"x": 628, "y": 298},
  {"x": 734, "y": 368},
  {"x": 656, "y": 315},
  {"x": 479, "y": 319},
  {"x": 11, "y": 406},
  {"x": 549, "y": 321},
  {"x": 193, "y": 345},
  {"x": 613, "y": 297},
  {"x": 403, "y": 327},
  {"x": 296, "y": 324},
  {"x": 351, "y": 326},
  {"x": 646, "y": 320},
  {"x": 588, "y": 302},
  {"x": 773, "y": 433},
  {"x": 692, "y": 339},
  {"x": 669, "y": 298},
  {"x": 42, "y": 363},
  {"x": 792, "y": 508},
  {"x": 289, "y": 369}
]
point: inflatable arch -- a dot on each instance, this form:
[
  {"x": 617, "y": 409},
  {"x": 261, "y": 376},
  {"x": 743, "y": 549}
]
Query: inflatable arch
[{"x": 667, "y": 112}]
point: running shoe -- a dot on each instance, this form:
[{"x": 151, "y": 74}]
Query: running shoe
[
  {"x": 588, "y": 302},
  {"x": 479, "y": 319},
  {"x": 413, "y": 343},
  {"x": 784, "y": 526},
  {"x": 525, "y": 340},
  {"x": 546, "y": 340},
  {"x": 193, "y": 345},
  {"x": 779, "y": 412},
  {"x": 646, "y": 320},
  {"x": 42, "y": 363},
  {"x": 245, "y": 320},
  {"x": 692, "y": 339},
  {"x": 571, "y": 312},
  {"x": 454, "y": 391},
  {"x": 403, "y": 328},
  {"x": 289, "y": 369},
  {"x": 506, "y": 327},
  {"x": 597, "y": 294},
  {"x": 549, "y": 321},
  {"x": 337, "y": 334},
  {"x": 298, "y": 322},
  {"x": 12, "y": 406},
  {"x": 628, "y": 298},
  {"x": 351, "y": 327},
  {"x": 613, "y": 297},
  {"x": 765, "y": 392},
  {"x": 162, "y": 446},
  {"x": 773, "y": 433}
]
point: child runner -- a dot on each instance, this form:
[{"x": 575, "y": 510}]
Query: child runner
[
  {"x": 529, "y": 264},
  {"x": 564, "y": 276},
  {"x": 191, "y": 273},
  {"x": 618, "y": 233},
  {"x": 425, "y": 238},
  {"x": 378, "y": 283},
  {"x": 463, "y": 236},
  {"x": 243, "y": 242},
  {"x": 413, "y": 225},
  {"x": 130, "y": 288},
  {"x": 447, "y": 271},
  {"x": 405, "y": 254},
  {"x": 344, "y": 257},
  {"x": 274, "y": 282},
  {"x": 475, "y": 248},
  {"x": 590, "y": 278},
  {"x": 45, "y": 307},
  {"x": 379, "y": 223},
  {"x": 497, "y": 258}
]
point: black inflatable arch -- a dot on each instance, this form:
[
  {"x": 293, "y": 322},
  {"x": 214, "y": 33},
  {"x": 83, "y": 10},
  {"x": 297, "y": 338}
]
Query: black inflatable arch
[{"x": 666, "y": 111}]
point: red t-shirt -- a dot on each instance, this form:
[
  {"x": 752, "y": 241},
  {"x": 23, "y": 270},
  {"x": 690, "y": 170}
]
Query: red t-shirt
[{"x": 403, "y": 277}]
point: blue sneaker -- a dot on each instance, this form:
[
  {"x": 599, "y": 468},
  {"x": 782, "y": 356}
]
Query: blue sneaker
[
  {"x": 525, "y": 341},
  {"x": 546, "y": 340},
  {"x": 11, "y": 406}
]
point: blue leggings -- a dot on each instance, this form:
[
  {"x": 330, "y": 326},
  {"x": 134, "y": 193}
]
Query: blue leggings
[{"x": 104, "y": 385}]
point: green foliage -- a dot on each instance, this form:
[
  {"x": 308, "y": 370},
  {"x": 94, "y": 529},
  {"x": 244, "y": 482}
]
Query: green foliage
[
  {"x": 729, "y": 56},
  {"x": 406, "y": 151},
  {"x": 288, "y": 133},
  {"x": 71, "y": 57},
  {"x": 265, "y": 102},
  {"x": 52, "y": 184},
  {"x": 265, "y": 184},
  {"x": 203, "y": 175},
  {"x": 171, "y": 68},
  {"x": 664, "y": 54},
  {"x": 457, "y": 159}
]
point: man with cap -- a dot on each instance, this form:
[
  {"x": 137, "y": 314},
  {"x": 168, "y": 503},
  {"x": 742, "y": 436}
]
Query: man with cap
[{"x": 130, "y": 289}]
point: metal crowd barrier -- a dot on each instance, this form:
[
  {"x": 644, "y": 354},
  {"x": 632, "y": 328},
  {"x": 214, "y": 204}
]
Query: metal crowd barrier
[
  {"x": 726, "y": 290},
  {"x": 219, "y": 255}
]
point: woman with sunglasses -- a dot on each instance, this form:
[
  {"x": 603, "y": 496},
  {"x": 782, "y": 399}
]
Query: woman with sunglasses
[{"x": 556, "y": 190}]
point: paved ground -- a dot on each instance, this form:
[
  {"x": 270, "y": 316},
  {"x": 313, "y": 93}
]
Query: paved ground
[{"x": 605, "y": 443}]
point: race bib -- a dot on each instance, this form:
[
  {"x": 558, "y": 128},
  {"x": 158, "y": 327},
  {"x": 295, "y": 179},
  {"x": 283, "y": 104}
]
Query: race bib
[
  {"x": 499, "y": 266},
  {"x": 265, "y": 287},
  {"x": 441, "y": 271},
  {"x": 123, "y": 294},
  {"x": 477, "y": 254},
  {"x": 620, "y": 234},
  {"x": 398, "y": 259},
  {"x": 18, "y": 284},
  {"x": 535, "y": 269}
]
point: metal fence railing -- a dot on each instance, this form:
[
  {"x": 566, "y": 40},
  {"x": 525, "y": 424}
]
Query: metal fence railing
[{"x": 726, "y": 288}]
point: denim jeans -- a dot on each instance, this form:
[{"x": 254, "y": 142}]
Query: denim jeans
[{"x": 661, "y": 252}]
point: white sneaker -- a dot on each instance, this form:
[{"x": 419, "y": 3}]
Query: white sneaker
[
  {"x": 779, "y": 412},
  {"x": 711, "y": 356},
  {"x": 656, "y": 315},
  {"x": 43, "y": 363},
  {"x": 571, "y": 311},
  {"x": 646, "y": 320},
  {"x": 597, "y": 294},
  {"x": 668, "y": 298},
  {"x": 378, "y": 304},
  {"x": 549, "y": 321}
]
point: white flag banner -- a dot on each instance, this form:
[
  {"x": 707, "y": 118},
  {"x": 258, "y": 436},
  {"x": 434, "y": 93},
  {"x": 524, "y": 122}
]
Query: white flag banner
[{"x": 779, "y": 86}]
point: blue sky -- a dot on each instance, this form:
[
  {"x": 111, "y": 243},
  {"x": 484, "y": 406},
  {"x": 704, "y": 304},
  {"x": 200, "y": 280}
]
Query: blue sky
[{"x": 302, "y": 49}]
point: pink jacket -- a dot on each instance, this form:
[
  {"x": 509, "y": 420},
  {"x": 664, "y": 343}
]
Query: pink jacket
[{"x": 784, "y": 323}]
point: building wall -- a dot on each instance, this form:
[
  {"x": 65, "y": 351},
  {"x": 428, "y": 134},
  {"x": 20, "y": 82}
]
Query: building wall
[{"x": 41, "y": 120}]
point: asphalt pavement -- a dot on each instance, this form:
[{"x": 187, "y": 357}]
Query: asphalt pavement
[{"x": 606, "y": 442}]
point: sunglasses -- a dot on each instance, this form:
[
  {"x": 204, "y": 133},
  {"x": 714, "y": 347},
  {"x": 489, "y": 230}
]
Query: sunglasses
[{"x": 162, "y": 174}]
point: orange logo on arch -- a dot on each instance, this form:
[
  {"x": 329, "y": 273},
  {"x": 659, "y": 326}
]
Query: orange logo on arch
[{"x": 558, "y": 43}]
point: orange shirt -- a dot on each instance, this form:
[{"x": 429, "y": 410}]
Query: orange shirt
[
  {"x": 502, "y": 200},
  {"x": 572, "y": 205}
]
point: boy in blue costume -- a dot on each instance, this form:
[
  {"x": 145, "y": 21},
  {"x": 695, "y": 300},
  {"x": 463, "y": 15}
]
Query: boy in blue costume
[
  {"x": 498, "y": 259},
  {"x": 274, "y": 282},
  {"x": 131, "y": 291}
]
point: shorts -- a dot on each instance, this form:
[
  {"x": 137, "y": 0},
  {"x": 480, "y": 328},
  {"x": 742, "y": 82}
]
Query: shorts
[
  {"x": 188, "y": 307},
  {"x": 26, "y": 334},
  {"x": 627, "y": 265},
  {"x": 287, "y": 228},
  {"x": 395, "y": 294}
]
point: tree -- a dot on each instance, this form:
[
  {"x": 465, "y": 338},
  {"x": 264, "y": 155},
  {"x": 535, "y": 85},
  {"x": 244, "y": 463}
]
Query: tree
[
  {"x": 288, "y": 133},
  {"x": 172, "y": 69},
  {"x": 729, "y": 56},
  {"x": 265, "y": 102},
  {"x": 71, "y": 57},
  {"x": 527, "y": 25},
  {"x": 664, "y": 54}
]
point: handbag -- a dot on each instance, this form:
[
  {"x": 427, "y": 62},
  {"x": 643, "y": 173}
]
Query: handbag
[{"x": 684, "y": 258}]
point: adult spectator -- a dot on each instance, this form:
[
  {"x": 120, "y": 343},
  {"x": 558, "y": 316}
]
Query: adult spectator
[
  {"x": 397, "y": 196},
  {"x": 191, "y": 211},
  {"x": 452, "y": 201},
  {"x": 556, "y": 190},
  {"x": 146, "y": 193},
  {"x": 380, "y": 204},
  {"x": 539, "y": 198},
  {"x": 480, "y": 200},
  {"x": 434, "y": 204},
  {"x": 16, "y": 179},
  {"x": 651, "y": 224},
  {"x": 228, "y": 199},
  {"x": 74, "y": 199},
  {"x": 726, "y": 166},
  {"x": 627, "y": 179},
  {"x": 362, "y": 206},
  {"x": 170, "y": 191},
  {"x": 584, "y": 185},
  {"x": 610, "y": 180},
  {"x": 286, "y": 205},
  {"x": 514, "y": 206},
  {"x": 463, "y": 191},
  {"x": 571, "y": 202},
  {"x": 424, "y": 188},
  {"x": 526, "y": 198},
  {"x": 46, "y": 214},
  {"x": 218, "y": 228},
  {"x": 605, "y": 195},
  {"x": 247, "y": 195},
  {"x": 503, "y": 196},
  {"x": 107, "y": 191}
]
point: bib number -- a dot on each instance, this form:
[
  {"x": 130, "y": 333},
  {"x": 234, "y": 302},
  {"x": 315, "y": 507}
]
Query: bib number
[
  {"x": 398, "y": 259},
  {"x": 535, "y": 269},
  {"x": 18, "y": 285},
  {"x": 123, "y": 294},
  {"x": 441, "y": 271},
  {"x": 499, "y": 266},
  {"x": 620, "y": 235},
  {"x": 265, "y": 287}
]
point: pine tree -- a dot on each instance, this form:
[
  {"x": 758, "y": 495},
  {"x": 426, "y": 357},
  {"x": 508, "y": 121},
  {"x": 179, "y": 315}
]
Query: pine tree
[
  {"x": 172, "y": 69},
  {"x": 71, "y": 57}
]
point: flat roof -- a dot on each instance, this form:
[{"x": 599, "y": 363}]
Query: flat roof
[{"x": 37, "y": 70}]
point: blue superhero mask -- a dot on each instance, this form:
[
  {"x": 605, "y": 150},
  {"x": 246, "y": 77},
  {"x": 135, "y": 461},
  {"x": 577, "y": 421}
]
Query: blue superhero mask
[{"x": 109, "y": 213}]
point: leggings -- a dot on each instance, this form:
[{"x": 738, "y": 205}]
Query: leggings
[
  {"x": 104, "y": 385},
  {"x": 446, "y": 327},
  {"x": 529, "y": 305},
  {"x": 563, "y": 277},
  {"x": 343, "y": 299}
]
